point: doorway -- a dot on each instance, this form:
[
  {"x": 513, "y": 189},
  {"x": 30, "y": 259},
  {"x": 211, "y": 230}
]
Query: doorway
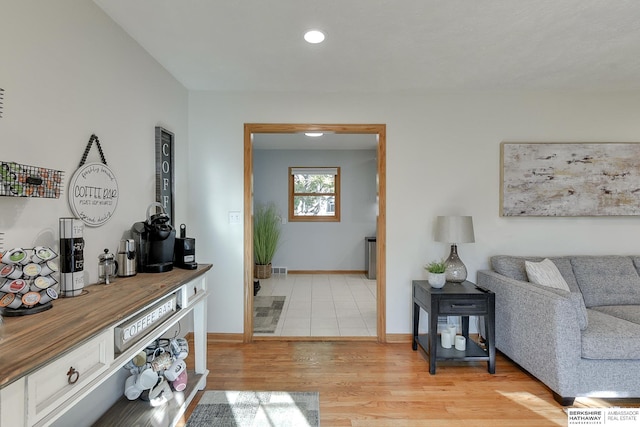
[{"x": 282, "y": 128}]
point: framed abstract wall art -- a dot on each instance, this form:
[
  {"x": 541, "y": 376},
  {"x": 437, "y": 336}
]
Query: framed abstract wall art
[{"x": 569, "y": 179}]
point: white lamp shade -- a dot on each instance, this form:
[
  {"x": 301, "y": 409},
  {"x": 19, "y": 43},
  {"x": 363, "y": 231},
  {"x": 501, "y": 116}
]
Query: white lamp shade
[{"x": 454, "y": 229}]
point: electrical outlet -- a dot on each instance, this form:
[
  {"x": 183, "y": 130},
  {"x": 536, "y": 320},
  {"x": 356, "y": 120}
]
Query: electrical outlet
[{"x": 234, "y": 217}]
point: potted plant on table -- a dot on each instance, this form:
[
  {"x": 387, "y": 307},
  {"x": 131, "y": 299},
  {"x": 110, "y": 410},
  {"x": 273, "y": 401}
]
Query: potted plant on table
[
  {"x": 436, "y": 273},
  {"x": 266, "y": 236}
]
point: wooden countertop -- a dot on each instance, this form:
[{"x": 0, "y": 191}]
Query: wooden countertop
[{"x": 28, "y": 342}]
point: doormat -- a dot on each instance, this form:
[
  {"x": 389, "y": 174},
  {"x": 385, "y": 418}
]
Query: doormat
[
  {"x": 266, "y": 313},
  {"x": 256, "y": 408}
]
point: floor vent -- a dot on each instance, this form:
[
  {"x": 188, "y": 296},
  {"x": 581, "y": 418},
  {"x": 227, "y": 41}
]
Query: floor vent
[{"x": 278, "y": 270}]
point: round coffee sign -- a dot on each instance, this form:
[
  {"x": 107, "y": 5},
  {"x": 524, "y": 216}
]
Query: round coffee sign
[{"x": 93, "y": 193}]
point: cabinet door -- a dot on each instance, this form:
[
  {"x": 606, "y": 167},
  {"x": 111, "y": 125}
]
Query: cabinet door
[{"x": 12, "y": 410}]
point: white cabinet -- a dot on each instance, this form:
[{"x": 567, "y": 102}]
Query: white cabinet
[
  {"x": 57, "y": 382},
  {"x": 48, "y": 390}
]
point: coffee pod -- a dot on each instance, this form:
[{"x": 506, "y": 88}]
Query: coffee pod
[
  {"x": 10, "y": 301},
  {"x": 42, "y": 254},
  {"x": 178, "y": 367},
  {"x": 47, "y": 295},
  {"x": 15, "y": 286},
  {"x": 11, "y": 271},
  {"x": 30, "y": 299},
  {"x": 31, "y": 270},
  {"x": 49, "y": 267},
  {"x": 15, "y": 256},
  {"x": 41, "y": 283},
  {"x": 180, "y": 383},
  {"x": 131, "y": 389}
]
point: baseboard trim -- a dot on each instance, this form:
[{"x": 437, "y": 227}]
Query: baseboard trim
[
  {"x": 234, "y": 338},
  {"x": 239, "y": 338},
  {"x": 326, "y": 272},
  {"x": 399, "y": 338}
]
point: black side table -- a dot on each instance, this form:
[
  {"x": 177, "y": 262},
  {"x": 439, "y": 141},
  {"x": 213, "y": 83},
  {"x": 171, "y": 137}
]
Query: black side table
[{"x": 454, "y": 299}]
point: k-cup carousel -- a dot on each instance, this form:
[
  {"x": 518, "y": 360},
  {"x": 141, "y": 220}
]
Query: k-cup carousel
[{"x": 27, "y": 283}]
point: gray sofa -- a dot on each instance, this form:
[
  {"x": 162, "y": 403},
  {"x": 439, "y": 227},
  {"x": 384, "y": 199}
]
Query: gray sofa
[{"x": 581, "y": 342}]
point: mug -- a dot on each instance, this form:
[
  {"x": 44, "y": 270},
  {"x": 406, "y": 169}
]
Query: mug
[
  {"x": 179, "y": 348},
  {"x": 131, "y": 389},
  {"x": 162, "y": 361},
  {"x": 147, "y": 379},
  {"x": 180, "y": 383},
  {"x": 460, "y": 343},
  {"x": 178, "y": 367}
]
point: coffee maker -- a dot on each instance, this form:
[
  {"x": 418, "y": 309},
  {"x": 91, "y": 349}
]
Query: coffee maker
[{"x": 155, "y": 241}]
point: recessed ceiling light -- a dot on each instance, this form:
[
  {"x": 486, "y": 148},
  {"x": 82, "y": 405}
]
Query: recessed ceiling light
[
  {"x": 314, "y": 134},
  {"x": 314, "y": 36}
]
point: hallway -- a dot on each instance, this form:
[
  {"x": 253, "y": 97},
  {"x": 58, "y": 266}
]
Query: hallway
[{"x": 323, "y": 304}]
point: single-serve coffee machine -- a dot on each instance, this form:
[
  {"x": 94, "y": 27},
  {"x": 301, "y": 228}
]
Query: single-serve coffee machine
[{"x": 155, "y": 242}]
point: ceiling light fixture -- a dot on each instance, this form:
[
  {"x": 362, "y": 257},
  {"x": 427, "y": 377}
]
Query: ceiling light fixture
[
  {"x": 314, "y": 36},
  {"x": 313, "y": 134}
]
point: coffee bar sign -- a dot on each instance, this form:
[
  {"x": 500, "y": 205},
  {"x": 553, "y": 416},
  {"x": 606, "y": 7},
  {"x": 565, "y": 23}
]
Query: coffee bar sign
[
  {"x": 93, "y": 193},
  {"x": 129, "y": 332}
]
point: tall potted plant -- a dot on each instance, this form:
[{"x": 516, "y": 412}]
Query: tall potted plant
[{"x": 266, "y": 236}]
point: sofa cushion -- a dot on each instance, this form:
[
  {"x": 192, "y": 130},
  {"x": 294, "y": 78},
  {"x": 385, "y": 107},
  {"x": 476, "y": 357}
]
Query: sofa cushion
[
  {"x": 607, "y": 280},
  {"x": 545, "y": 273},
  {"x": 609, "y": 337},
  {"x": 514, "y": 267},
  {"x": 629, "y": 313}
]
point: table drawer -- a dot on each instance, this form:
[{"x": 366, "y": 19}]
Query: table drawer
[
  {"x": 463, "y": 306},
  {"x": 54, "y": 383},
  {"x": 192, "y": 290}
]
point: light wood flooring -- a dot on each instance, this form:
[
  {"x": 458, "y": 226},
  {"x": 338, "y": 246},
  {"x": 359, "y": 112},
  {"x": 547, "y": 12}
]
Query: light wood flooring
[{"x": 366, "y": 384}]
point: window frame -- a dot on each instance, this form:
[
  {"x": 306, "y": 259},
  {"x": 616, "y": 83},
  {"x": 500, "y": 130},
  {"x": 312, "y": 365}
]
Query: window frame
[{"x": 310, "y": 218}]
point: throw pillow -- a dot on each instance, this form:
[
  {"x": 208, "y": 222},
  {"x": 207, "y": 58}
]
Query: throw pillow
[{"x": 545, "y": 273}]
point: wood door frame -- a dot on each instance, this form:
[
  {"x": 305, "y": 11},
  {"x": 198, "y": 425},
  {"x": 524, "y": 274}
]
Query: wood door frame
[{"x": 378, "y": 129}]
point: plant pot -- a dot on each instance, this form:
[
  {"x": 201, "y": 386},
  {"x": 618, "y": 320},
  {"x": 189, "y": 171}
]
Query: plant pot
[
  {"x": 436, "y": 280},
  {"x": 261, "y": 271}
]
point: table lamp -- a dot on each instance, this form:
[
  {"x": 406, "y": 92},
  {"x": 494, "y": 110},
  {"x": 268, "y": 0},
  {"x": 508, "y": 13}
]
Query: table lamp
[{"x": 454, "y": 230}]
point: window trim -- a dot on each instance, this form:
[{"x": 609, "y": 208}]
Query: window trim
[{"x": 306, "y": 218}]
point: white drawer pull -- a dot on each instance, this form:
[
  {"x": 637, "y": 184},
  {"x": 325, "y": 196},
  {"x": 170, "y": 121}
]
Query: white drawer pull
[{"x": 72, "y": 375}]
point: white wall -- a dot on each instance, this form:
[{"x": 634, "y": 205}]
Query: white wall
[
  {"x": 321, "y": 245},
  {"x": 69, "y": 71},
  {"x": 443, "y": 157}
]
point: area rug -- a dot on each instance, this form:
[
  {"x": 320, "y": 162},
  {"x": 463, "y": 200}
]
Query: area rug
[
  {"x": 266, "y": 313},
  {"x": 256, "y": 408}
]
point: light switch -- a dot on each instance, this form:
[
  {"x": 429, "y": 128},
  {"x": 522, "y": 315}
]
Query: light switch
[{"x": 234, "y": 217}]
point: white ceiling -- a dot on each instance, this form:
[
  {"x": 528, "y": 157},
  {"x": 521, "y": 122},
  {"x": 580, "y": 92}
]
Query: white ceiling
[
  {"x": 400, "y": 46},
  {"x": 390, "y": 45}
]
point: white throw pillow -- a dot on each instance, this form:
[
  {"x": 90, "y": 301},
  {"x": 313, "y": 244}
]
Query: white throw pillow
[{"x": 546, "y": 273}]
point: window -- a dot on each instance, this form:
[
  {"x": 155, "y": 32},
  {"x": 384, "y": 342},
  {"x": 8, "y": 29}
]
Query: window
[{"x": 314, "y": 194}]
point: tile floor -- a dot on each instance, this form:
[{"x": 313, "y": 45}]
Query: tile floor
[{"x": 323, "y": 304}]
